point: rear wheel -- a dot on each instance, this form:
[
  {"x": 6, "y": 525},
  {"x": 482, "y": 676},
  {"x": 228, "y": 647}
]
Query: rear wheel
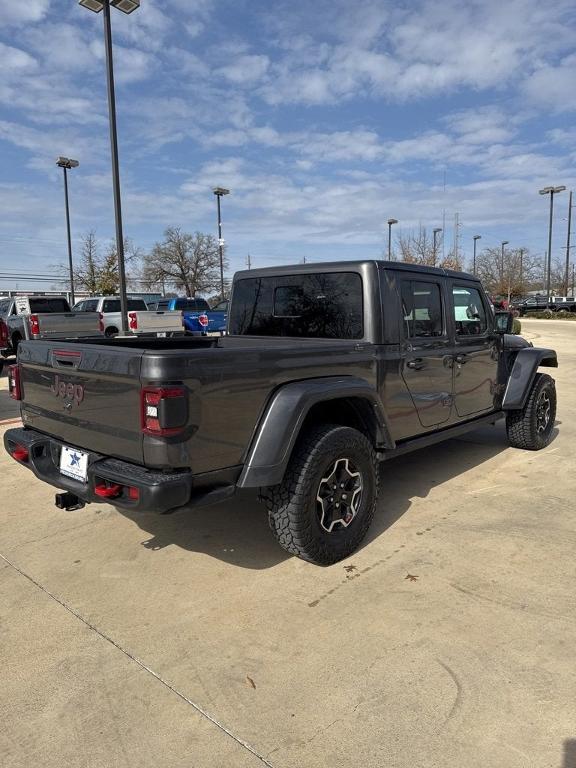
[
  {"x": 111, "y": 332},
  {"x": 531, "y": 428},
  {"x": 325, "y": 504}
]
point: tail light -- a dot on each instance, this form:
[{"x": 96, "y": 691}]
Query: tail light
[
  {"x": 164, "y": 410},
  {"x": 3, "y": 334},
  {"x": 14, "y": 386},
  {"x": 34, "y": 325},
  {"x": 101, "y": 327},
  {"x": 133, "y": 321},
  {"x": 203, "y": 320},
  {"x": 20, "y": 453}
]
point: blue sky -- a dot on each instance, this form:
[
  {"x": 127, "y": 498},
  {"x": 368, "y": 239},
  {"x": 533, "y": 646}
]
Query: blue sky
[{"x": 323, "y": 119}]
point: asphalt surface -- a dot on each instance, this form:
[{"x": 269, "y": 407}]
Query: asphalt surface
[{"x": 192, "y": 640}]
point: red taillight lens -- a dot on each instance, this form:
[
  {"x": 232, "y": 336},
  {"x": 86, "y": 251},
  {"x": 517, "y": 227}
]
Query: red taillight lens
[
  {"x": 133, "y": 493},
  {"x": 20, "y": 453},
  {"x": 101, "y": 322},
  {"x": 107, "y": 491},
  {"x": 133, "y": 321},
  {"x": 14, "y": 387},
  {"x": 164, "y": 410},
  {"x": 203, "y": 320},
  {"x": 3, "y": 334},
  {"x": 34, "y": 325}
]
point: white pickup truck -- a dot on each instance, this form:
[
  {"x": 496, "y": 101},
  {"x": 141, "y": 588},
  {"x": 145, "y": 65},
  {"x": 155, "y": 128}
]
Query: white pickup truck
[
  {"x": 141, "y": 320},
  {"x": 42, "y": 317}
]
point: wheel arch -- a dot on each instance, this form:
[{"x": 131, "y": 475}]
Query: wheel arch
[
  {"x": 347, "y": 401},
  {"x": 521, "y": 378}
]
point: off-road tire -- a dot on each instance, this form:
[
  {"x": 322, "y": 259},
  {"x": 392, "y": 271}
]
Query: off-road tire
[
  {"x": 111, "y": 332},
  {"x": 522, "y": 425},
  {"x": 292, "y": 506}
]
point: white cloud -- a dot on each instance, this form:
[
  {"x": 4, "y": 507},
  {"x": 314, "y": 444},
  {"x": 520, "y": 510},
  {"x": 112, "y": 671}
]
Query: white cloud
[
  {"x": 552, "y": 86},
  {"x": 15, "y": 60},
  {"x": 23, "y": 12},
  {"x": 245, "y": 70}
]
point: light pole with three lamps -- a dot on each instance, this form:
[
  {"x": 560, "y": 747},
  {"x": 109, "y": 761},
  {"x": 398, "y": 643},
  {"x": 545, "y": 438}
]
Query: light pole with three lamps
[
  {"x": 126, "y": 6},
  {"x": 67, "y": 164}
]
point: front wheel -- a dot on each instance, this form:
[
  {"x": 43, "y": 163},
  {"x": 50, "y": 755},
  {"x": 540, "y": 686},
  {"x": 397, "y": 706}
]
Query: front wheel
[
  {"x": 531, "y": 427},
  {"x": 324, "y": 506}
]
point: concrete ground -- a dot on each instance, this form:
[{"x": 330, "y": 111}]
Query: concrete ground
[{"x": 192, "y": 640}]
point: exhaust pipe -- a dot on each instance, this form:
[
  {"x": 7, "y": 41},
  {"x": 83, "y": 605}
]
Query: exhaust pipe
[{"x": 68, "y": 501}]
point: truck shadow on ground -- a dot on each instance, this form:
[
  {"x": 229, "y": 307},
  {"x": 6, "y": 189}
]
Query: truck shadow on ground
[
  {"x": 237, "y": 531},
  {"x": 569, "y": 754}
]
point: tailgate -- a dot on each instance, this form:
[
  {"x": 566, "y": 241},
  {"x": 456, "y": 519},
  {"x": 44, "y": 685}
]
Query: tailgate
[
  {"x": 85, "y": 395},
  {"x": 69, "y": 325},
  {"x": 155, "y": 321}
]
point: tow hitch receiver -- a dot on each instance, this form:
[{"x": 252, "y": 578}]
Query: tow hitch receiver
[{"x": 68, "y": 501}]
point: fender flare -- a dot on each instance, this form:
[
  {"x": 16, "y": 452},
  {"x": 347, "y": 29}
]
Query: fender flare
[
  {"x": 522, "y": 375},
  {"x": 278, "y": 430}
]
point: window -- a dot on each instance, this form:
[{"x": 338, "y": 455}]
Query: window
[
  {"x": 325, "y": 306},
  {"x": 113, "y": 305},
  {"x": 91, "y": 305},
  {"x": 37, "y": 306},
  {"x": 194, "y": 305},
  {"x": 469, "y": 311},
  {"x": 422, "y": 309},
  {"x": 5, "y": 306}
]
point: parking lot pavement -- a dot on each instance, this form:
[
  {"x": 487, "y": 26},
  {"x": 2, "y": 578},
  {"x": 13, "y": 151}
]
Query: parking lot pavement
[{"x": 447, "y": 640}]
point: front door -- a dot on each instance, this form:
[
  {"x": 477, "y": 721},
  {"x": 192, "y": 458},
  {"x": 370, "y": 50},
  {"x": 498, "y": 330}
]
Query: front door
[
  {"x": 427, "y": 350},
  {"x": 476, "y": 351}
]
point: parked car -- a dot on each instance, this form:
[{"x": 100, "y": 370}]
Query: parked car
[
  {"x": 42, "y": 317},
  {"x": 199, "y": 319},
  {"x": 141, "y": 319},
  {"x": 328, "y": 369}
]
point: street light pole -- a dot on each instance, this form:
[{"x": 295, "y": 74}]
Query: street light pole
[
  {"x": 435, "y": 233},
  {"x": 504, "y": 242},
  {"x": 550, "y": 191},
  {"x": 567, "y": 270},
  {"x": 220, "y": 192},
  {"x": 476, "y": 238},
  {"x": 66, "y": 164},
  {"x": 126, "y": 6},
  {"x": 390, "y": 223}
]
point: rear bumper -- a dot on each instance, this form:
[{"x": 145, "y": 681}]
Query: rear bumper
[{"x": 157, "y": 491}]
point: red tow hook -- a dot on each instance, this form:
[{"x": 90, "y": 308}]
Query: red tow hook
[{"x": 108, "y": 491}]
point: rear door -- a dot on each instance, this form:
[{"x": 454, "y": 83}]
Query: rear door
[
  {"x": 476, "y": 349},
  {"x": 86, "y": 395},
  {"x": 427, "y": 348}
]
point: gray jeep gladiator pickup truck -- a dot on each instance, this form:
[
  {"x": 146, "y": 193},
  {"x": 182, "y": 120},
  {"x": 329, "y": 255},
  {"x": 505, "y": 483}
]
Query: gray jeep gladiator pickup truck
[{"x": 326, "y": 370}]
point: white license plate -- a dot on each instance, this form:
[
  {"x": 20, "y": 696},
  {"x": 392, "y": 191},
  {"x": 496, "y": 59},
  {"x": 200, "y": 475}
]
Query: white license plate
[
  {"x": 161, "y": 334},
  {"x": 74, "y": 463}
]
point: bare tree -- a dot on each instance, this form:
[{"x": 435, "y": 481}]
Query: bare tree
[
  {"x": 417, "y": 247},
  {"x": 519, "y": 273},
  {"x": 188, "y": 262}
]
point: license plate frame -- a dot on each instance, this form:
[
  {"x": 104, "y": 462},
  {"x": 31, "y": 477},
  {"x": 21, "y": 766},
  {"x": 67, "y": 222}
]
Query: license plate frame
[{"x": 74, "y": 463}]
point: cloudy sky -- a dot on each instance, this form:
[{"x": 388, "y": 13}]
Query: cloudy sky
[{"x": 324, "y": 119}]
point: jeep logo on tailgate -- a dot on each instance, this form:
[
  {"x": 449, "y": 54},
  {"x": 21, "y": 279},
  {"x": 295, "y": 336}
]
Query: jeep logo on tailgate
[{"x": 67, "y": 389}]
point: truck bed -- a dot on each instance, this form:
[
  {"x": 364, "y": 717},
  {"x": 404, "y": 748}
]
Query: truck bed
[{"x": 227, "y": 382}]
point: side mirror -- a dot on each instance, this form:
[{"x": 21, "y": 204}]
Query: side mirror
[{"x": 503, "y": 322}]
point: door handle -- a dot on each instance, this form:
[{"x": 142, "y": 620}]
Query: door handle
[
  {"x": 416, "y": 364},
  {"x": 461, "y": 359}
]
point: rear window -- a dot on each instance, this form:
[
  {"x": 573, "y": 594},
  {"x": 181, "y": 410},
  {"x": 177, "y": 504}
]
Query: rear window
[
  {"x": 324, "y": 306},
  {"x": 113, "y": 305},
  {"x": 195, "y": 305},
  {"x": 54, "y": 304}
]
